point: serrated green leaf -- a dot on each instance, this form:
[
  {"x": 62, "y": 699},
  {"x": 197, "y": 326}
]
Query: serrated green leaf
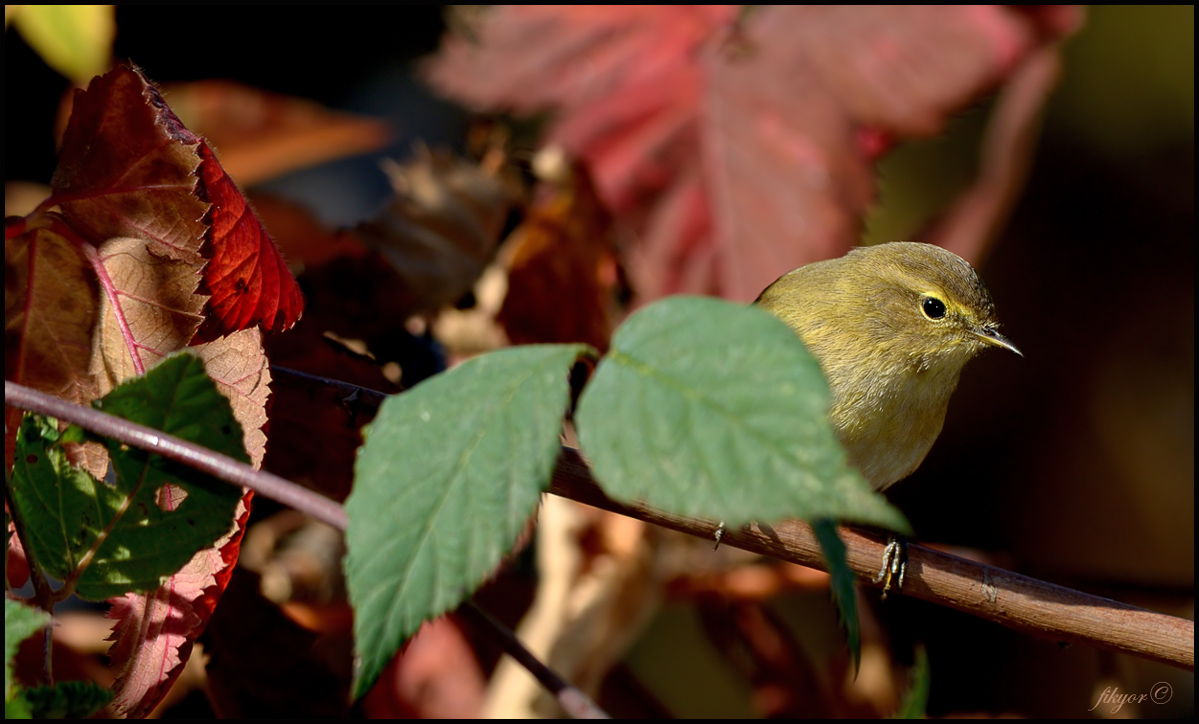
[
  {"x": 64, "y": 507},
  {"x": 20, "y": 622},
  {"x": 712, "y": 409},
  {"x": 67, "y": 700},
  {"x": 841, "y": 580},
  {"x": 109, "y": 539},
  {"x": 449, "y": 474}
]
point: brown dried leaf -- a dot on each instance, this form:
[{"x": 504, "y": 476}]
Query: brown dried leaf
[
  {"x": 442, "y": 228},
  {"x": 261, "y": 135},
  {"x": 51, "y": 301},
  {"x": 563, "y": 251}
]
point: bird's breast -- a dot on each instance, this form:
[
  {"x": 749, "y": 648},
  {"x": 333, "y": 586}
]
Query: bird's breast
[{"x": 887, "y": 424}]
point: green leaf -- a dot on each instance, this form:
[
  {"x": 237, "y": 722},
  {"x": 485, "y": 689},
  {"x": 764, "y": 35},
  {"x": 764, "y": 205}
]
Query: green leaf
[
  {"x": 20, "y": 622},
  {"x": 67, "y": 700},
  {"x": 17, "y": 708},
  {"x": 7, "y": 531},
  {"x": 109, "y": 539},
  {"x": 449, "y": 475},
  {"x": 712, "y": 409},
  {"x": 75, "y": 40},
  {"x": 841, "y": 586},
  {"x": 58, "y": 501}
]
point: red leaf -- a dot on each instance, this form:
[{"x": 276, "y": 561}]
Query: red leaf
[
  {"x": 436, "y": 677},
  {"x": 738, "y": 151},
  {"x": 16, "y": 565},
  {"x": 88, "y": 291},
  {"x": 249, "y": 282},
  {"x": 127, "y": 168},
  {"x": 562, "y": 250},
  {"x": 155, "y": 632}
]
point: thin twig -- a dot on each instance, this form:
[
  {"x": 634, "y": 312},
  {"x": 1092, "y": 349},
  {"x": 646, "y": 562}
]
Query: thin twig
[
  {"x": 182, "y": 451},
  {"x": 366, "y": 399},
  {"x": 573, "y": 701},
  {"x": 1026, "y": 604},
  {"x": 1019, "y": 602}
]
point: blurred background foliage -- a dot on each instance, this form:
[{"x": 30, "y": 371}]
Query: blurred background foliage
[
  {"x": 1127, "y": 93},
  {"x": 1075, "y": 464}
]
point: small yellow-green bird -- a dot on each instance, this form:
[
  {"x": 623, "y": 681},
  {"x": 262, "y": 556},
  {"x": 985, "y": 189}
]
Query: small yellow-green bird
[{"x": 892, "y": 326}]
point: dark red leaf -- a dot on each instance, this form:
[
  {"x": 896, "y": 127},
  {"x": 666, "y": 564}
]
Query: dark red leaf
[
  {"x": 249, "y": 282},
  {"x": 127, "y": 168},
  {"x": 563, "y": 250},
  {"x": 146, "y": 213},
  {"x": 289, "y": 672}
]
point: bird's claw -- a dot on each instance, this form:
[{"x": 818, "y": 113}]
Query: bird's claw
[
  {"x": 895, "y": 564},
  {"x": 719, "y": 534}
]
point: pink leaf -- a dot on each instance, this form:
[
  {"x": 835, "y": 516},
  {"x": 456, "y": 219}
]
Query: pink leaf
[
  {"x": 155, "y": 632},
  {"x": 738, "y": 151}
]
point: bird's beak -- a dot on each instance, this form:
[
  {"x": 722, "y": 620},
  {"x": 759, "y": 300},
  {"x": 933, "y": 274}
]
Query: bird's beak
[{"x": 992, "y": 337}]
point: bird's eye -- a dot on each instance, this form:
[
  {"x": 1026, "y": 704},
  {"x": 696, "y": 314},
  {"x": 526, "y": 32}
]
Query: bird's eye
[{"x": 933, "y": 308}]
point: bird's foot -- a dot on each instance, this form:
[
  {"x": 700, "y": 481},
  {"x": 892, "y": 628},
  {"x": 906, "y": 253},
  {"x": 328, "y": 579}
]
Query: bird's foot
[
  {"x": 719, "y": 534},
  {"x": 895, "y": 564}
]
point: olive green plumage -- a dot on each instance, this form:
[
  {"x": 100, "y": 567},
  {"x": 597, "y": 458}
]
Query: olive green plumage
[{"x": 892, "y": 326}]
